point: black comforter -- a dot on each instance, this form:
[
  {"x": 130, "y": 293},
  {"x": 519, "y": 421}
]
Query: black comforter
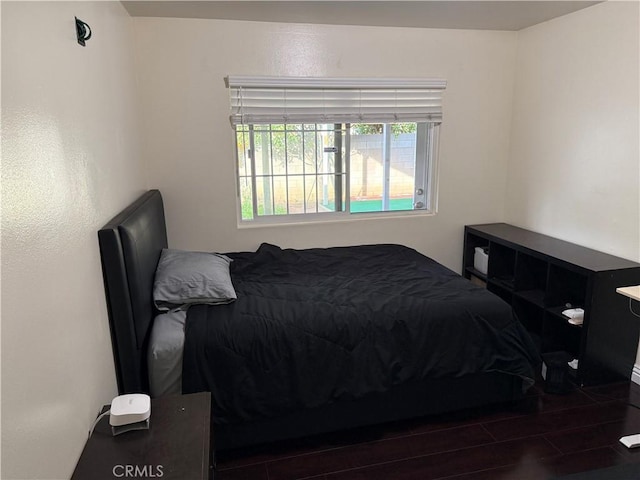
[{"x": 320, "y": 325}]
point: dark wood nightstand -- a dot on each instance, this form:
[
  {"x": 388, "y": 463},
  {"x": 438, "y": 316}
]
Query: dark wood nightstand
[{"x": 178, "y": 444}]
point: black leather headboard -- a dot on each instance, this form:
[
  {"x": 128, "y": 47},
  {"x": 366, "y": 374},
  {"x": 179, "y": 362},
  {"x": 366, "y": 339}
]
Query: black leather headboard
[{"x": 130, "y": 247}]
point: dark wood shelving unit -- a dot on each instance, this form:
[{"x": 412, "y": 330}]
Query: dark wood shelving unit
[{"x": 541, "y": 276}]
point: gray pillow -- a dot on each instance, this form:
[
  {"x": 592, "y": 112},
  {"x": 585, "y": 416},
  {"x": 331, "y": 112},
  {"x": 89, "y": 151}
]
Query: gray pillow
[{"x": 184, "y": 278}]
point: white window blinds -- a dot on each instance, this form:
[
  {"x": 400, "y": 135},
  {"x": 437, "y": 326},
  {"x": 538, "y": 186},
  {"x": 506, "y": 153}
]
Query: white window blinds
[{"x": 256, "y": 100}]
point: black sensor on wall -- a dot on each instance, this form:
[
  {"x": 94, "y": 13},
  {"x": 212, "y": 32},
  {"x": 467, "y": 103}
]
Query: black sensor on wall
[{"x": 83, "y": 31}]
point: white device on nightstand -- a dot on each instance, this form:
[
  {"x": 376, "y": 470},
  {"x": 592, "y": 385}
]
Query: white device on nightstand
[{"x": 130, "y": 412}]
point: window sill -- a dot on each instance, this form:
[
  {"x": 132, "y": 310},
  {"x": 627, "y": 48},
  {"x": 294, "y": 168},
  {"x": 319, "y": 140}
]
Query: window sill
[{"x": 323, "y": 219}]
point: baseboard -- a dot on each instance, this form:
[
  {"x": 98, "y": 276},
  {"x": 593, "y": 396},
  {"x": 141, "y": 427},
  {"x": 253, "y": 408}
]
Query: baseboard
[{"x": 635, "y": 374}]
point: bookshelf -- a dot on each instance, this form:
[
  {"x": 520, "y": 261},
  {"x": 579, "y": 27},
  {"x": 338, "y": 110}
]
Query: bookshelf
[{"x": 541, "y": 276}]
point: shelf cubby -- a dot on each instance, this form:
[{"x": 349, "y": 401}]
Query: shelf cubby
[
  {"x": 561, "y": 335},
  {"x": 532, "y": 296},
  {"x": 504, "y": 293},
  {"x": 471, "y": 243},
  {"x": 530, "y": 315},
  {"x": 531, "y": 278},
  {"x": 502, "y": 265},
  {"x": 567, "y": 288}
]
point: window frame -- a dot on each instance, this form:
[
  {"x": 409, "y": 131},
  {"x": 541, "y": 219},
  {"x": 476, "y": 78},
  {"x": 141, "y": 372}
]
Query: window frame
[
  {"x": 267, "y": 100},
  {"x": 427, "y": 136}
]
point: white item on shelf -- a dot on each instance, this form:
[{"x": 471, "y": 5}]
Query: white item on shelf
[
  {"x": 575, "y": 313},
  {"x": 631, "y": 441},
  {"x": 480, "y": 260}
]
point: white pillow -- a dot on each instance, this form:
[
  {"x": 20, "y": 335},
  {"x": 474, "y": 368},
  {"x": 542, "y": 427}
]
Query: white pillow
[{"x": 185, "y": 278}]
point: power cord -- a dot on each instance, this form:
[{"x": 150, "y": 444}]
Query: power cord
[
  {"x": 637, "y": 315},
  {"x": 97, "y": 420}
]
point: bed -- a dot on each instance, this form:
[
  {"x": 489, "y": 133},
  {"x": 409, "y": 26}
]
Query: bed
[{"x": 318, "y": 340}]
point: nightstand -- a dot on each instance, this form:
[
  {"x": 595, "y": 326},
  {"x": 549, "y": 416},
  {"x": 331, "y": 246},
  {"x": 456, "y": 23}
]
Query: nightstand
[{"x": 177, "y": 445}]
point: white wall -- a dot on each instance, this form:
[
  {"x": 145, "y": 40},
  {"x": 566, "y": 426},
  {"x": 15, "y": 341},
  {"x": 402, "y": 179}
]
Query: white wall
[
  {"x": 189, "y": 142},
  {"x": 574, "y": 168},
  {"x": 70, "y": 161}
]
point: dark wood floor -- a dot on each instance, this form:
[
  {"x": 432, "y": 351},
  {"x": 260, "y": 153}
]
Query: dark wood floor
[{"x": 542, "y": 437}]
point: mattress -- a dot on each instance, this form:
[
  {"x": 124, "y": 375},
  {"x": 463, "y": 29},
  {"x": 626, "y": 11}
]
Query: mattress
[{"x": 164, "y": 353}]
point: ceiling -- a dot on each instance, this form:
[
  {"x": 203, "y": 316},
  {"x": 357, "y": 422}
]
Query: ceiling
[{"x": 475, "y": 14}]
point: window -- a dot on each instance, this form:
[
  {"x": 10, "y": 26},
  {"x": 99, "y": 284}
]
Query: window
[{"x": 313, "y": 149}]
